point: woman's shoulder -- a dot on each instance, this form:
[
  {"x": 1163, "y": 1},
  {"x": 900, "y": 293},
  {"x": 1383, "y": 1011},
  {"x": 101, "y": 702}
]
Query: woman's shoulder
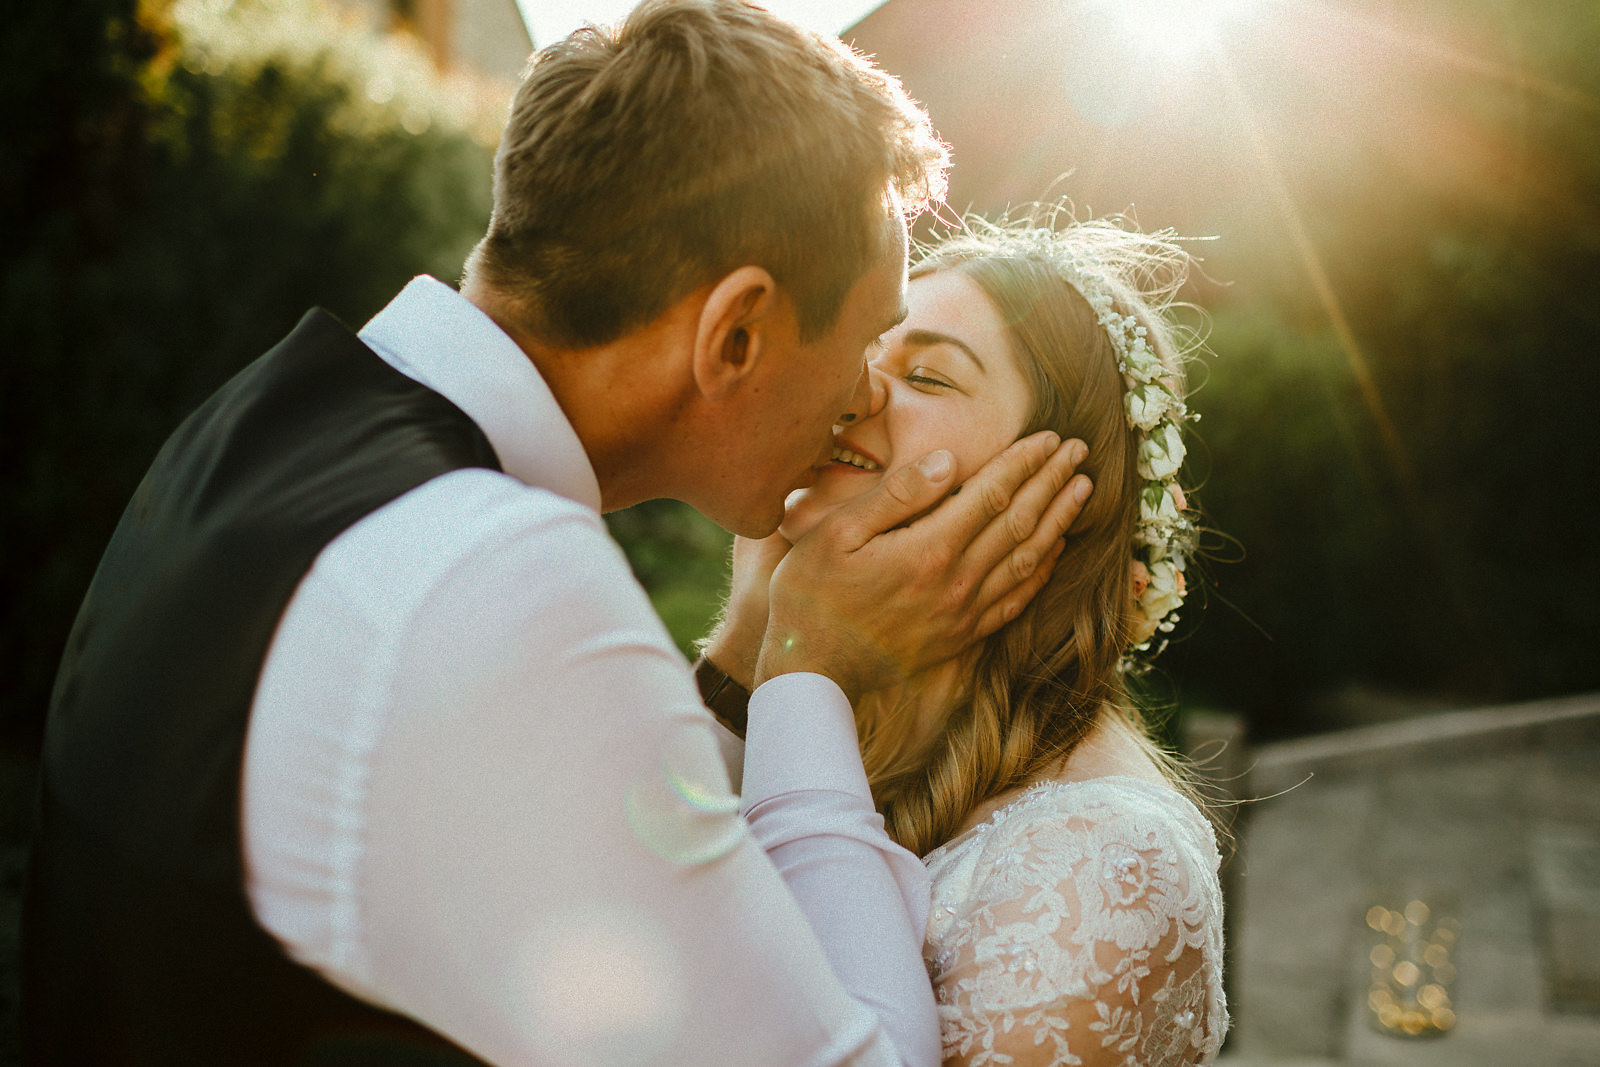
[
  {"x": 1032, "y": 904},
  {"x": 1066, "y": 820}
]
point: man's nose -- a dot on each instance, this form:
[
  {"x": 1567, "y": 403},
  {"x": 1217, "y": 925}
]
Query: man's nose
[{"x": 871, "y": 391}]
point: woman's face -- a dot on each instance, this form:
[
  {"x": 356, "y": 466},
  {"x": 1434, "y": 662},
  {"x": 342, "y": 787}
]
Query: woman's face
[{"x": 944, "y": 378}]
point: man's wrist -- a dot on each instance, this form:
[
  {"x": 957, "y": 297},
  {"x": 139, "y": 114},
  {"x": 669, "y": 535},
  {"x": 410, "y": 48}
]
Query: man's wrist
[
  {"x": 727, "y": 700},
  {"x": 733, "y": 652},
  {"x": 793, "y": 657}
]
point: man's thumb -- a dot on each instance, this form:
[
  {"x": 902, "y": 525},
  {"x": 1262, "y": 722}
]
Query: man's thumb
[{"x": 901, "y": 497}]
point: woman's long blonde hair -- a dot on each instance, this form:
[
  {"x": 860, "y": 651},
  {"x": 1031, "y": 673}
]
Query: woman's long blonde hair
[{"x": 1031, "y": 692}]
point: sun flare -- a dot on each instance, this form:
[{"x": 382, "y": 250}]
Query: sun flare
[{"x": 1175, "y": 29}]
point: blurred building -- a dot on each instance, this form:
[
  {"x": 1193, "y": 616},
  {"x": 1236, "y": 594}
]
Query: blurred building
[{"x": 484, "y": 36}]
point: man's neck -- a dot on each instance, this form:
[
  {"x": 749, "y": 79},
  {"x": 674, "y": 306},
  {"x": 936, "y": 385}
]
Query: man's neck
[{"x": 620, "y": 398}]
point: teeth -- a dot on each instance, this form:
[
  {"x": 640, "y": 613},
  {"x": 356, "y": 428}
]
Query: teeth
[{"x": 844, "y": 455}]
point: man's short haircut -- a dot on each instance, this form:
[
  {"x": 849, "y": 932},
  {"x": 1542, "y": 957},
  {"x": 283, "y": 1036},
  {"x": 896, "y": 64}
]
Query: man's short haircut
[{"x": 641, "y": 163}]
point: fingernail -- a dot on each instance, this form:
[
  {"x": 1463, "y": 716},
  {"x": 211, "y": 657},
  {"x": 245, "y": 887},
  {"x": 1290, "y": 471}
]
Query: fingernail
[
  {"x": 936, "y": 465},
  {"x": 1079, "y": 451},
  {"x": 1081, "y": 491}
]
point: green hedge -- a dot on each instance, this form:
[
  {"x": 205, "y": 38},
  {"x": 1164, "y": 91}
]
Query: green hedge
[
  {"x": 1456, "y": 562},
  {"x": 214, "y": 174}
]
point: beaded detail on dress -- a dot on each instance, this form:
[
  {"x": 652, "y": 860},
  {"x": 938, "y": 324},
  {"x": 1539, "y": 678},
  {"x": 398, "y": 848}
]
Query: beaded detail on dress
[{"x": 1080, "y": 924}]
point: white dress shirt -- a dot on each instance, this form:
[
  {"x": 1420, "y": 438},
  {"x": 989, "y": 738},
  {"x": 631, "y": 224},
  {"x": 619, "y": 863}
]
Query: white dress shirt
[{"x": 480, "y": 789}]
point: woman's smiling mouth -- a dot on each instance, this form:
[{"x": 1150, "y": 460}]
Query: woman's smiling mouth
[{"x": 855, "y": 459}]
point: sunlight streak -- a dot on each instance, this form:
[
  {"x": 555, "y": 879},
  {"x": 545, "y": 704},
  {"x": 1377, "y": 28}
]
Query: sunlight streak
[
  {"x": 1412, "y": 498},
  {"x": 1439, "y": 52},
  {"x": 1294, "y": 221}
]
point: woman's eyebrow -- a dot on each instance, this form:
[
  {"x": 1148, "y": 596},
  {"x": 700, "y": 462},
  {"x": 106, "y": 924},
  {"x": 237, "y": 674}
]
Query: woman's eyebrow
[{"x": 927, "y": 338}]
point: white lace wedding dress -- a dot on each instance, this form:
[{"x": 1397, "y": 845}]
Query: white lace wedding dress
[{"x": 1080, "y": 924}]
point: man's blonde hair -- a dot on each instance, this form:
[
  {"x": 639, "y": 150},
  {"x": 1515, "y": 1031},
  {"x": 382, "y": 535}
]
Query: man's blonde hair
[{"x": 699, "y": 136}]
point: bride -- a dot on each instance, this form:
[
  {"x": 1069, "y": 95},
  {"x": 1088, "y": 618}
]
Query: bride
[{"x": 1076, "y": 914}]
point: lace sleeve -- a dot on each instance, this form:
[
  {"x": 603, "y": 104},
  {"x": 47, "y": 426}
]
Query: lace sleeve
[{"x": 1090, "y": 936}]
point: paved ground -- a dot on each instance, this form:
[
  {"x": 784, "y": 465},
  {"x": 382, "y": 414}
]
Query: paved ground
[{"x": 1493, "y": 815}]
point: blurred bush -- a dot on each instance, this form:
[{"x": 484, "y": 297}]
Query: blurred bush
[
  {"x": 188, "y": 179},
  {"x": 681, "y": 558},
  {"x": 1454, "y": 561}
]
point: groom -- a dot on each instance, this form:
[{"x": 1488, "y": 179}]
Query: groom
[{"x": 366, "y": 749}]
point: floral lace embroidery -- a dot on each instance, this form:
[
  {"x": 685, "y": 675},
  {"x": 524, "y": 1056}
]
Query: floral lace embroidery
[{"x": 1080, "y": 924}]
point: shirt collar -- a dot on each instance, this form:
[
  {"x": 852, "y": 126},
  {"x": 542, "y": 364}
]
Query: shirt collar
[{"x": 434, "y": 335}]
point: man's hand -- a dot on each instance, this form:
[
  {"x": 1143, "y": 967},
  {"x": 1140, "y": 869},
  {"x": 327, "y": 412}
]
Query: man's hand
[
  {"x": 871, "y": 596},
  {"x": 735, "y": 644}
]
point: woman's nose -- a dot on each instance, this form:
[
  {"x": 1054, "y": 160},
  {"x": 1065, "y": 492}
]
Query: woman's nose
[{"x": 871, "y": 391}]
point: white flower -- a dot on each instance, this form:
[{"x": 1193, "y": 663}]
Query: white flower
[
  {"x": 1149, "y": 403},
  {"x": 1141, "y": 364},
  {"x": 1156, "y": 504},
  {"x": 1161, "y": 454},
  {"x": 1165, "y": 590}
]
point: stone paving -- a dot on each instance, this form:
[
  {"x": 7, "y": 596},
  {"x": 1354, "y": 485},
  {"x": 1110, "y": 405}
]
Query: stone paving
[{"x": 1494, "y": 818}]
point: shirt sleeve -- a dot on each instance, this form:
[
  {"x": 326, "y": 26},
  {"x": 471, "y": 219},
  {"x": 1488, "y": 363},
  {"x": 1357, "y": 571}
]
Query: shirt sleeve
[
  {"x": 809, "y": 806},
  {"x": 480, "y": 790}
]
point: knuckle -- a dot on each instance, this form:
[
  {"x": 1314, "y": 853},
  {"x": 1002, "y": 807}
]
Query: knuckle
[
  {"x": 1018, "y": 526},
  {"x": 995, "y": 498},
  {"x": 898, "y": 489},
  {"x": 1024, "y": 563},
  {"x": 939, "y": 558},
  {"x": 958, "y": 599}
]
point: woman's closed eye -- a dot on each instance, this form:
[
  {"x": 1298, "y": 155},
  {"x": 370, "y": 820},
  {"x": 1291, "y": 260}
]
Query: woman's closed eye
[{"x": 926, "y": 378}]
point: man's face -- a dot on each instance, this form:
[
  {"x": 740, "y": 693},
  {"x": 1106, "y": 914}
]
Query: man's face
[{"x": 804, "y": 390}]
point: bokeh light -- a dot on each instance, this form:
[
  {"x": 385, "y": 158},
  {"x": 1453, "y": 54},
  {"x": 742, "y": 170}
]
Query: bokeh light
[
  {"x": 606, "y": 987},
  {"x": 684, "y": 810}
]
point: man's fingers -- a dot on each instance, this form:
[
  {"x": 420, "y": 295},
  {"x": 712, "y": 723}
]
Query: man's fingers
[
  {"x": 1021, "y": 595},
  {"x": 1037, "y": 513},
  {"x": 1018, "y": 566},
  {"x": 989, "y": 493},
  {"x": 899, "y": 498}
]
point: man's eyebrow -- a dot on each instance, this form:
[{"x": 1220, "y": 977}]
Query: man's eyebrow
[
  {"x": 928, "y": 338},
  {"x": 899, "y": 317}
]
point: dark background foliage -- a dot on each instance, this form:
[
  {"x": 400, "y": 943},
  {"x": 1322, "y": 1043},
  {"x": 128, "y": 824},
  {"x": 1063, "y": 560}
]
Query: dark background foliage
[
  {"x": 1445, "y": 550},
  {"x": 171, "y": 209},
  {"x": 1404, "y": 288}
]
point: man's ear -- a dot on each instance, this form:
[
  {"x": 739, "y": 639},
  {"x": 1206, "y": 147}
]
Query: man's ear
[{"x": 736, "y": 321}]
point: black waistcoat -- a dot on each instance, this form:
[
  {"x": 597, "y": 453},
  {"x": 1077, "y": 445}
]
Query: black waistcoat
[{"x": 139, "y": 946}]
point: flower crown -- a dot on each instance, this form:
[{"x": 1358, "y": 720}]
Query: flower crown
[{"x": 1164, "y": 535}]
